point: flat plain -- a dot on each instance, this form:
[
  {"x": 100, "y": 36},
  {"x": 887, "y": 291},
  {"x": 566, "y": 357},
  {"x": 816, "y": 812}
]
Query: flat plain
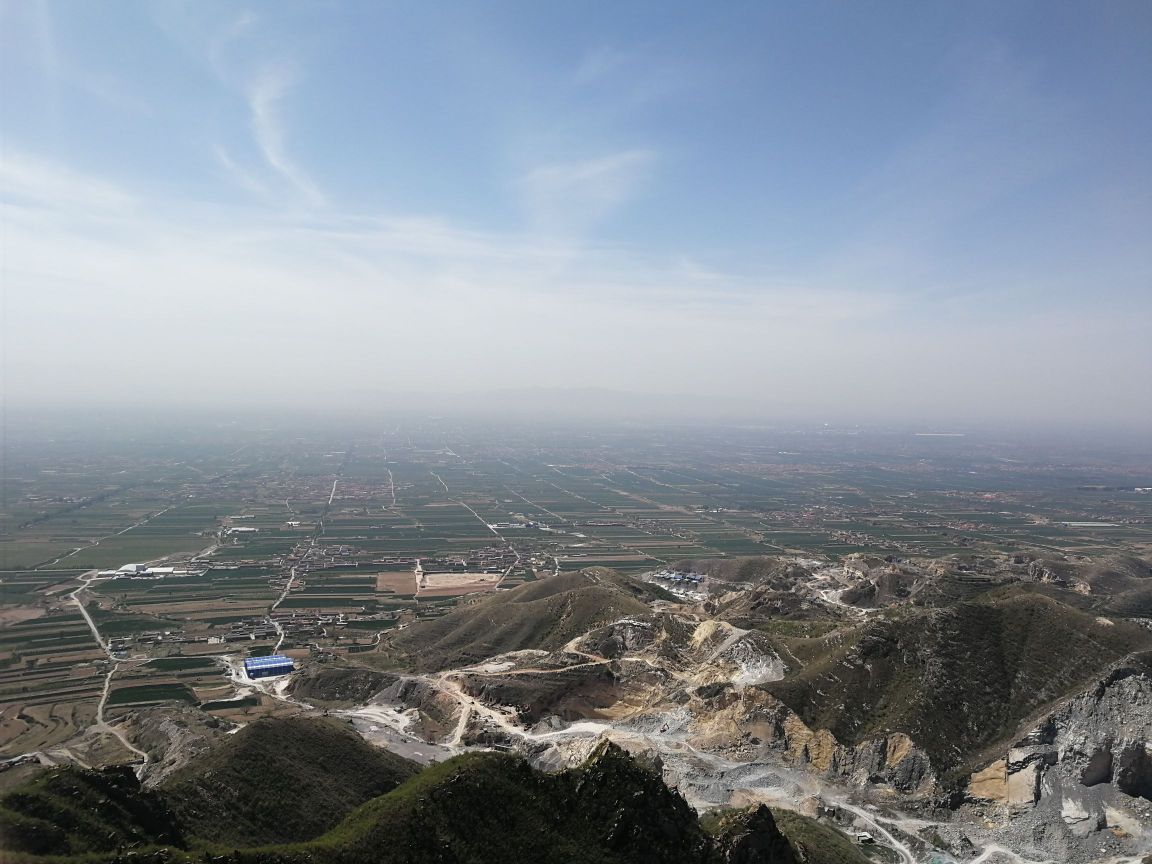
[{"x": 322, "y": 541}]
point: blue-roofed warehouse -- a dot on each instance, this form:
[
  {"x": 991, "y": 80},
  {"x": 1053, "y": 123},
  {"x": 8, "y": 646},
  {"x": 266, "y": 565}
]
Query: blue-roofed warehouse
[{"x": 266, "y": 667}]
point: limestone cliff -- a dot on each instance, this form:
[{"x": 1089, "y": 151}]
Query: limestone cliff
[{"x": 1090, "y": 758}]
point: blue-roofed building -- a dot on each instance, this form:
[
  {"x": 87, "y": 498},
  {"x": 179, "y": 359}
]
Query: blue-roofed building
[{"x": 266, "y": 667}]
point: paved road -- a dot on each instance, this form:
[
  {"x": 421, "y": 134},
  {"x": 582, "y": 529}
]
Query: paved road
[{"x": 391, "y": 486}]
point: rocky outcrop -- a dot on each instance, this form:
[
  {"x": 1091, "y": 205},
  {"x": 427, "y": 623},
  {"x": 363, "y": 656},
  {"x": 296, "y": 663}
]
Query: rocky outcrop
[
  {"x": 619, "y": 638},
  {"x": 753, "y": 837},
  {"x": 173, "y": 737},
  {"x": 568, "y": 694},
  {"x": 716, "y": 651},
  {"x": 1087, "y": 760},
  {"x": 625, "y": 806},
  {"x": 754, "y": 726},
  {"x": 1133, "y": 773},
  {"x": 991, "y": 783},
  {"x": 1104, "y": 735},
  {"x": 436, "y": 712}
]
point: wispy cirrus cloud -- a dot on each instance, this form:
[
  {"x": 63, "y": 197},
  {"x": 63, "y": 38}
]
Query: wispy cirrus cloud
[
  {"x": 241, "y": 176},
  {"x": 575, "y": 195},
  {"x": 364, "y": 302},
  {"x": 30, "y": 29},
  {"x": 31, "y": 182},
  {"x": 265, "y": 94},
  {"x": 237, "y": 53},
  {"x": 221, "y": 44}
]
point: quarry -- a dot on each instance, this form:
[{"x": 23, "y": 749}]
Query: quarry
[
  {"x": 692, "y": 695},
  {"x": 932, "y": 676}
]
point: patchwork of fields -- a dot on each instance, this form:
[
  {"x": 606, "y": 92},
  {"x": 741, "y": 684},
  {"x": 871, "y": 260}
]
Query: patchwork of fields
[{"x": 322, "y": 542}]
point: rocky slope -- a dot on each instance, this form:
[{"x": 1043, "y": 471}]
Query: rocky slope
[
  {"x": 669, "y": 677},
  {"x": 175, "y": 736},
  {"x": 331, "y": 684},
  {"x": 477, "y": 808},
  {"x": 243, "y": 790},
  {"x": 909, "y": 701},
  {"x": 956, "y": 680},
  {"x": 1084, "y": 767},
  {"x": 992, "y": 697},
  {"x": 903, "y": 701}
]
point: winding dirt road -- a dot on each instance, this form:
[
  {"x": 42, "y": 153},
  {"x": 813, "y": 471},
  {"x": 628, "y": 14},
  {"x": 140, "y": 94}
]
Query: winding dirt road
[{"x": 100, "y": 724}]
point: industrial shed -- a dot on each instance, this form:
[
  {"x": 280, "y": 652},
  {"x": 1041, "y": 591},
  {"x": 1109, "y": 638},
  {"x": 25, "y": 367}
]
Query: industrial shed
[{"x": 266, "y": 667}]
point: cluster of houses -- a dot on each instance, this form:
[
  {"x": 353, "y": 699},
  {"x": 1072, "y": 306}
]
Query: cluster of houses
[
  {"x": 279, "y": 583},
  {"x": 490, "y": 559},
  {"x": 249, "y": 629},
  {"x": 296, "y": 625},
  {"x": 121, "y": 644}
]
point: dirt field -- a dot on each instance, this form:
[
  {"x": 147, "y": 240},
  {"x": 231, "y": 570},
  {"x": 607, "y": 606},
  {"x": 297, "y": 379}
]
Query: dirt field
[
  {"x": 209, "y": 694},
  {"x": 195, "y": 608},
  {"x": 268, "y": 707},
  {"x": 10, "y": 615},
  {"x": 26, "y": 728},
  {"x": 200, "y": 610},
  {"x": 201, "y": 648},
  {"x": 98, "y": 750},
  {"x": 396, "y": 581},
  {"x": 595, "y": 560},
  {"x": 455, "y": 584}
]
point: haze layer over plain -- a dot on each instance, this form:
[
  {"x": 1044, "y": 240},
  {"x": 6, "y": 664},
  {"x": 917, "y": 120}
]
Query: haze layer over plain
[{"x": 903, "y": 211}]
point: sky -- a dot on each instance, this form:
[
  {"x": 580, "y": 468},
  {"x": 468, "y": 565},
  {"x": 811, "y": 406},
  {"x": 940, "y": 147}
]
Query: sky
[{"x": 864, "y": 211}]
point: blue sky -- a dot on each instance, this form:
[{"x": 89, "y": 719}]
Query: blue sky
[{"x": 894, "y": 210}]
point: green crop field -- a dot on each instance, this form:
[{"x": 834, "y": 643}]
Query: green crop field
[{"x": 147, "y": 693}]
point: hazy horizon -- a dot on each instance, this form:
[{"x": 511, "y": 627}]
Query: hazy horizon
[
  {"x": 599, "y": 414},
  {"x": 899, "y": 213}
]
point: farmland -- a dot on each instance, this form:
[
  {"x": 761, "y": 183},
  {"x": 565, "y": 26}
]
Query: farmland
[{"x": 321, "y": 541}]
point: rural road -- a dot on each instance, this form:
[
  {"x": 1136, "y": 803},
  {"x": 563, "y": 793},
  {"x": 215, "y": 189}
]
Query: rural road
[{"x": 100, "y": 724}]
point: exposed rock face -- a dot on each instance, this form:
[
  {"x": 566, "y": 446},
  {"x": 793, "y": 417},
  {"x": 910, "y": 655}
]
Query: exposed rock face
[
  {"x": 1040, "y": 572},
  {"x": 568, "y": 694},
  {"x": 754, "y": 725},
  {"x": 1104, "y": 735},
  {"x": 1134, "y": 770},
  {"x": 436, "y": 713},
  {"x": 1084, "y": 758},
  {"x": 990, "y": 784},
  {"x": 706, "y": 652},
  {"x": 620, "y": 638},
  {"x": 669, "y": 675},
  {"x": 1099, "y": 767},
  {"x": 713, "y": 651},
  {"x": 1025, "y": 766},
  {"x": 173, "y": 737},
  {"x": 1082, "y": 815}
]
